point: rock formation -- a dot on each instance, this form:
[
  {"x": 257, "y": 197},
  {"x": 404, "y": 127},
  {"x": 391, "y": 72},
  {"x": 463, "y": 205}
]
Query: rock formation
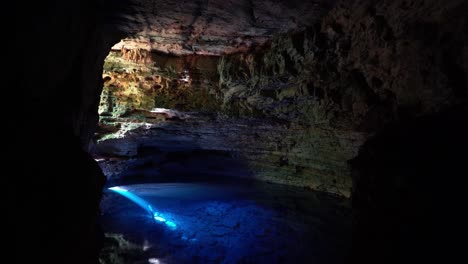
[{"x": 214, "y": 27}]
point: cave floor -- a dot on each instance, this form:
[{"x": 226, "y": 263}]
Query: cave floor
[{"x": 184, "y": 171}]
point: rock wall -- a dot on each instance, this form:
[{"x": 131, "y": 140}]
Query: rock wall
[
  {"x": 410, "y": 61},
  {"x": 287, "y": 83},
  {"x": 412, "y": 51},
  {"x": 303, "y": 148},
  {"x": 135, "y": 82},
  {"x": 368, "y": 64}
]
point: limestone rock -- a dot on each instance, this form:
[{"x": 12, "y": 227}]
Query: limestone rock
[{"x": 212, "y": 27}]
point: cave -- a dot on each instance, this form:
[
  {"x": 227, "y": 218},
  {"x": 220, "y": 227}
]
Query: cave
[{"x": 264, "y": 131}]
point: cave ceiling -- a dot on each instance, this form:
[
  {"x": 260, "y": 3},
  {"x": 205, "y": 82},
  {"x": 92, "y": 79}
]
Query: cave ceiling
[{"x": 214, "y": 27}]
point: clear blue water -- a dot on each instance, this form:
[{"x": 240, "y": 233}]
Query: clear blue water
[{"x": 228, "y": 223}]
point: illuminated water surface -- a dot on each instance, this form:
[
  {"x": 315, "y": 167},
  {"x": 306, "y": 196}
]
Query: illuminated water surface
[{"x": 218, "y": 223}]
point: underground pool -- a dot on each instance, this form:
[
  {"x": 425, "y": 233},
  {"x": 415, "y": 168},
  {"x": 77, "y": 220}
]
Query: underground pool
[{"x": 228, "y": 222}]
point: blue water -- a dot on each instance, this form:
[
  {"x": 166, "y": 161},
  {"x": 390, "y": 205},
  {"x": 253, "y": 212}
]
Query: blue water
[
  {"x": 218, "y": 223},
  {"x": 158, "y": 216}
]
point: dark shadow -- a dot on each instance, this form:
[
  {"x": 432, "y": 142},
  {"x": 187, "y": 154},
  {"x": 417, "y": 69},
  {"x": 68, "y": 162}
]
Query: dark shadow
[{"x": 410, "y": 181}]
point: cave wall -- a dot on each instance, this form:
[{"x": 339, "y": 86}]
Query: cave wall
[
  {"x": 409, "y": 187},
  {"x": 366, "y": 65},
  {"x": 409, "y": 177},
  {"x": 411, "y": 50},
  {"x": 56, "y": 185},
  {"x": 288, "y": 82},
  {"x": 139, "y": 80}
]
